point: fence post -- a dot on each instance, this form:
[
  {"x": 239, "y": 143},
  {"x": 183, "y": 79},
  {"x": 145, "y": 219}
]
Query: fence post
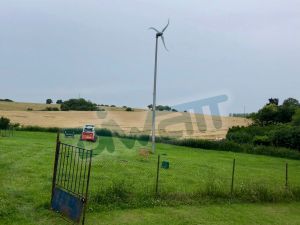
[
  {"x": 232, "y": 178},
  {"x": 157, "y": 174},
  {"x": 286, "y": 175}
]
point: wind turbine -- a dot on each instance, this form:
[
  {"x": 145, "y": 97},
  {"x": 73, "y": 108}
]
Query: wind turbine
[{"x": 159, "y": 34}]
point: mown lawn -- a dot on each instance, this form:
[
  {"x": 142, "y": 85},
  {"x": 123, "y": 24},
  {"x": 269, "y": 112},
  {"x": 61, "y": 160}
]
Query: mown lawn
[
  {"x": 225, "y": 214},
  {"x": 26, "y": 163}
]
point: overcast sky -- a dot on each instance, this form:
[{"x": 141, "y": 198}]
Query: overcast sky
[{"x": 103, "y": 50}]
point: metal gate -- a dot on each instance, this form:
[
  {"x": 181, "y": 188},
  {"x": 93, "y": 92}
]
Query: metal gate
[{"x": 71, "y": 176}]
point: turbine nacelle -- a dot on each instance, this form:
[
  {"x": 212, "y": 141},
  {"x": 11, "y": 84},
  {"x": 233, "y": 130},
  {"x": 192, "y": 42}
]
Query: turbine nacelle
[{"x": 159, "y": 34}]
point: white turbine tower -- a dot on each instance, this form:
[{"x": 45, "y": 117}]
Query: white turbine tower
[{"x": 158, "y": 34}]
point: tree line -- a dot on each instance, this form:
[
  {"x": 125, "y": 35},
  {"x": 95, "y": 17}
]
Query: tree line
[
  {"x": 162, "y": 108},
  {"x": 274, "y": 124}
]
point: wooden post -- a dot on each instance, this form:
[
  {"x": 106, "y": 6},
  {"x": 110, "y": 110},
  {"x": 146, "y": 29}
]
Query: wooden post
[
  {"x": 232, "y": 178},
  {"x": 157, "y": 175},
  {"x": 286, "y": 175}
]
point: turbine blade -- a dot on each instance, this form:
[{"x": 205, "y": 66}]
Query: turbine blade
[
  {"x": 163, "y": 40},
  {"x": 166, "y": 26},
  {"x": 152, "y": 28}
]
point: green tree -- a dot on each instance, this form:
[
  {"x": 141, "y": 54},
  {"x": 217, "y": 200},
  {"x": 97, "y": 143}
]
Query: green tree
[
  {"x": 6, "y": 100},
  {"x": 272, "y": 113},
  {"x": 267, "y": 115},
  {"x": 291, "y": 102},
  {"x": 59, "y": 101},
  {"x": 163, "y": 108},
  {"x": 49, "y": 101},
  {"x": 285, "y": 113},
  {"x": 78, "y": 105},
  {"x": 4, "y": 123},
  {"x": 287, "y": 110},
  {"x": 274, "y": 101},
  {"x": 296, "y": 118}
]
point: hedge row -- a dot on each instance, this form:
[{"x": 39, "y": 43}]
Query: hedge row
[
  {"x": 221, "y": 145},
  {"x": 226, "y": 145},
  {"x": 280, "y": 135}
]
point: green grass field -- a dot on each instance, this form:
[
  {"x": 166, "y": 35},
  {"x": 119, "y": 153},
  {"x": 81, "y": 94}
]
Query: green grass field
[{"x": 122, "y": 184}]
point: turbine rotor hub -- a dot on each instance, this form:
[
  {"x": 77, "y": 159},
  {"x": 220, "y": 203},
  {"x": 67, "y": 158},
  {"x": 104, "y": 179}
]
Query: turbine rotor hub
[{"x": 159, "y": 34}]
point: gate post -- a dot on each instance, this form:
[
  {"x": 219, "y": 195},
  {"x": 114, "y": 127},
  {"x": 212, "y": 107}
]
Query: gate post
[
  {"x": 87, "y": 187},
  {"x": 57, "y": 150}
]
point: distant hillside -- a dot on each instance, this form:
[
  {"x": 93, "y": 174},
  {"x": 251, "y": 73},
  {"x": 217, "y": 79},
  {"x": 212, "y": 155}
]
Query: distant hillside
[
  {"x": 117, "y": 108},
  {"x": 24, "y": 106}
]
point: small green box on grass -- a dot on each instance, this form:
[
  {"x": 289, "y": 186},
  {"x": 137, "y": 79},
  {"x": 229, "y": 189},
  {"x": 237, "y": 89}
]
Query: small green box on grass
[{"x": 165, "y": 165}]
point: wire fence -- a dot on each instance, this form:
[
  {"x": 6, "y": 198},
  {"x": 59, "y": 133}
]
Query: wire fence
[
  {"x": 167, "y": 175},
  {"x": 186, "y": 172}
]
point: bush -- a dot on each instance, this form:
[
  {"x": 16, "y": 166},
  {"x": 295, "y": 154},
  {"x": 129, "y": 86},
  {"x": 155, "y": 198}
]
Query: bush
[
  {"x": 6, "y": 100},
  {"x": 296, "y": 118},
  {"x": 287, "y": 136},
  {"x": 39, "y": 129},
  {"x": 4, "y": 123},
  {"x": 104, "y": 132},
  {"x": 129, "y": 109},
  {"x": 51, "y": 109},
  {"x": 225, "y": 145},
  {"x": 162, "y": 108},
  {"x": 272, "y": 113},
  {"x": 239, "y": 137},
  {"x": 262, "y": 140},
  {"x": 49, "y": 101},
  {"x": 222, "y": 145},
  {"x": 78, "y": 105},
  {"x": 15, "y": 125},
  {"x": 280, "y": 135}
]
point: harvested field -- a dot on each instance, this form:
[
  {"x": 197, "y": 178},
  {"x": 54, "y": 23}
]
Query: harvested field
[
  {"x": 23, "y": 106},
  {"x": 173, "y": 124}
]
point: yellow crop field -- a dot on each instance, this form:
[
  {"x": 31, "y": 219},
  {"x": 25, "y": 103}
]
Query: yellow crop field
[
  {"x": 138, "y": 122},
  {"x": 23, "y": 106}
]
